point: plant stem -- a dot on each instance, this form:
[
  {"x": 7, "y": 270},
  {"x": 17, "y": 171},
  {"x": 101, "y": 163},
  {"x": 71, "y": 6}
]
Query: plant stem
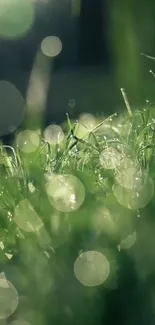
[{"x": 126, "y": 102}]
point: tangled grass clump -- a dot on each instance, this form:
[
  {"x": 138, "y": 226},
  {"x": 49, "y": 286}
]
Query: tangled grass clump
[
  {"x": 75, "y": 196},
  {"x": 117, "y": 155}
]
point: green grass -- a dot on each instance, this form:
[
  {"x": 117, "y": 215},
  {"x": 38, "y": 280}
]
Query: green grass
[
  {"x": 45, "y": 253},
  {"x": 131, "y": 134}
]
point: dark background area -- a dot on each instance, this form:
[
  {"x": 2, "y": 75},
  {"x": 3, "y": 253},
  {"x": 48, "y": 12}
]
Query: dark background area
[
  {"x": 102, "y": 43},
  {"x": 84, "y": 69}
]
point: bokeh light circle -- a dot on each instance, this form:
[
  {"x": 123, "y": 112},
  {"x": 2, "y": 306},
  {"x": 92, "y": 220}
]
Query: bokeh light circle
[
  {"x": 66, "y": 192},
  {"x": 8, "y": 298},
  {"x": 88, "y": 120},
  {"x": 28, "y": 141},
  {"x": 16, "y": 18},
  {"x": 12, "y": 108},
  {"x": 53, "y": 134},
  {"x": 91, "y": 268},
  {"x": 129, "y": 173},
  {"x": 110, "y": 158},
  {"x": 51, "y": 46},
  {"x": 26, "y": 217},
  {"x": 134, "y": 198}
]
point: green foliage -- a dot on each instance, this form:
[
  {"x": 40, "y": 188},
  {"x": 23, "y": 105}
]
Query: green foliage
[{"x": 45, "y": 255}]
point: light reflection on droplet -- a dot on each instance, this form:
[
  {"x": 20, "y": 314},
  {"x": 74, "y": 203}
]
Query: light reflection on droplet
[
  {"x": 51, "y": 46},
  {"x": 66, "y": 192},
  {"x": 26, "y": 217},
  {"x": 129, "y": 198},
  {"x": 53, "y": 134},
  {"x": 28, "y": 141},
  {"x": 91, "y": 268},
  {"x": 12, "y": 107},
  {"x": 8, "y": 297},
  {"x": 110, "y": 158},
  {"x": 16, "y": 18}
]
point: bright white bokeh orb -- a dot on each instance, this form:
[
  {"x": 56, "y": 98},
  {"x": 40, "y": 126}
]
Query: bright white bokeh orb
[
  {"x": 12, "y": 108},
  {"x": 110, "y": 158},
  {"x": 26, "y": 217},
  {"x": 66, "y": 192},
  {"x": 134, "y": 198},
  {"x": 16, "y": 18},
  {"x": 53, "y": 134},
  {"x": 8, "y": 297},
  {"x": 28, "y": 141},
  {"x": 51, "y": 46},
  {"x": 91, "y": 268}
]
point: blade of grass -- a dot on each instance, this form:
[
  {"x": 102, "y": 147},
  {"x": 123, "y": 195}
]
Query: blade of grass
[{"x": 126, "y": 102}]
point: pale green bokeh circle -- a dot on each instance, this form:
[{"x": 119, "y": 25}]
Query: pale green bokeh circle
[
  {"x": 134, "y": 198},
  {"x": 8, "y": 298},
  {"x": 51, "y": 46},
  {"x": 66, "y": 192},
  {"x": 53, "y": 134},
  {"x": 110, "y": 158},
  {"x": 16, "y": 18},
  {"x": 28, "y": 141},
  {"x": 129, "y": 173},
  {"x": 91, "y": 268},
  {"x": 26, "y": 217}
]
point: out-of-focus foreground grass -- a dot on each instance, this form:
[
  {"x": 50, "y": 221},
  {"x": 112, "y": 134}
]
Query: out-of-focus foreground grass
[{"x": 77, "y": 221}]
